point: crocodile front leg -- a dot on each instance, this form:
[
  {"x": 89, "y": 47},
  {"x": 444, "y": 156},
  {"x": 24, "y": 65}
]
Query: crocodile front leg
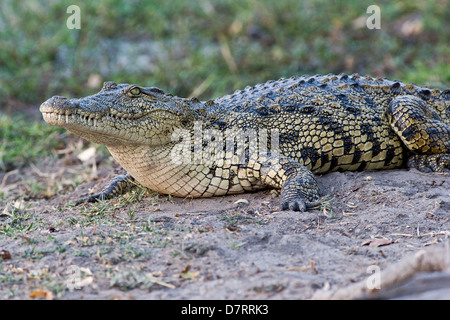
[
  {"x": 423, "y": 133},
  {"x": 300, "y": 192},
  {"x": 299, "y": 188},
  {"x": 118, "y": 185}
]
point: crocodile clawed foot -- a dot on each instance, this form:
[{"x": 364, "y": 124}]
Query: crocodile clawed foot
[
  {"x": 299, "y": 205},
  {"x": 93, "y": 198},
  {"x": 118, "y": 185},
  {"x": 300, "y": 190},
  {"x": 295, "y": 205}
]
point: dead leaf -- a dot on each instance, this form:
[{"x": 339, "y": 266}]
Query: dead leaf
[
  {"x": 207, "y": 228},
  {"x": 12, "y": 207},
  {"x": 190, "y": 275},
  {"x": 87, "y": 154},
  {"x": 5, "y": 212},
  {"x": 85, "y": 282},
  {"x": 302, "y": 268},
  {"x": 243, "y": 201},
  {"x": 185, "y": 274},
  {"x": 69, "y": 242},
  {"x": 312, "y": 265},
  {"x": 274, "y": 288},
  {"x": 86, "y": 271},
  {"x": 375, "y": 243},
  {"x": 351, "y": 205},
  {"x": 186, "y": 269},
  {"x": 41, "y": 294},
  {"x": 232, "y": 229},
  {"x": 4, "y": 254}
]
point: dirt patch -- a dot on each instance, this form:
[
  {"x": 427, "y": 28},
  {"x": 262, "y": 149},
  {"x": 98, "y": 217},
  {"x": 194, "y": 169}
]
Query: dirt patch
[{"x": 149, "y": 246}]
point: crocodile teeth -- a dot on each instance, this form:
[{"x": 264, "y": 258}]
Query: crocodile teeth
[
  {"x": 95, "y": 122},
  {"x": 67, "y": 118}
]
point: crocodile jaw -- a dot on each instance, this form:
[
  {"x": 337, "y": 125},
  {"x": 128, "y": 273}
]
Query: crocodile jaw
[{"x": 99, "y": 125}]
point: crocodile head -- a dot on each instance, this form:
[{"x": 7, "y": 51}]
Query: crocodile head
[{"x": 121, "y": 114}]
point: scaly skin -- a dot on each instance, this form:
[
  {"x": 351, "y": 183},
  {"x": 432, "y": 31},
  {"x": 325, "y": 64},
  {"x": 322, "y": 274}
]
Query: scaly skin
[{"x": 321, "y": 124}]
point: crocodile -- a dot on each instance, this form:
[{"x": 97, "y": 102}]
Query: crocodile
[{"x": 277, "y": 134}]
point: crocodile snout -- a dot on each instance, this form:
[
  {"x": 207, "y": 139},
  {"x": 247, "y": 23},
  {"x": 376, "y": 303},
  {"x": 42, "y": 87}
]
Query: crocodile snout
[
  {"x": 57, "y": 104},
  {"x": 57, "y": 110}
]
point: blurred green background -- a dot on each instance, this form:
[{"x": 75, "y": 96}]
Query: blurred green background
[{"x": 205, "y": 48}]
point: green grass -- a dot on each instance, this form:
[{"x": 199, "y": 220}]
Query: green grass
[
  {"x": 20, "y": 222},
  {"x": 25, "y": 141},
  {"x": 183, "y": 43},
  {"x": 206, "y": 48}
]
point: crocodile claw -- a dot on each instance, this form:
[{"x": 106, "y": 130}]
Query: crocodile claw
[
  {"x": 92, "y": 198},
  {"x": 299, "y": 205},
  {"x": 296, "y": 205}
]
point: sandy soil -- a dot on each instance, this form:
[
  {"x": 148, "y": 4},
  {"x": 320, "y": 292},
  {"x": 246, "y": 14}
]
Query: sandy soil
[{"x": 234, "y": 247}]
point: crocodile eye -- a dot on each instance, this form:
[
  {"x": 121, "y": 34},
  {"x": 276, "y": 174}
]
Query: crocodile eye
[{"x": 134, "y": 91}]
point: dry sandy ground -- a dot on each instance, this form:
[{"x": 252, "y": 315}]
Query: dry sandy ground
[{"x": 234, "y": 247}]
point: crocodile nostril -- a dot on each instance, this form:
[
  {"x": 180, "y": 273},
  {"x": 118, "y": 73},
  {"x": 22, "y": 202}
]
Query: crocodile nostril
[
  {"x": 109, "y": 85},
  {"x": 58, "y": 98}
]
